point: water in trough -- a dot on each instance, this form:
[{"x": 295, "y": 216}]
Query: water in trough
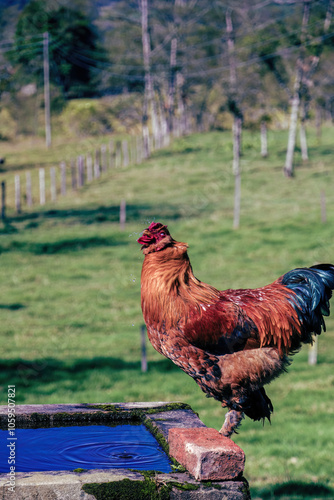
[{"x": 87, "y": 447}]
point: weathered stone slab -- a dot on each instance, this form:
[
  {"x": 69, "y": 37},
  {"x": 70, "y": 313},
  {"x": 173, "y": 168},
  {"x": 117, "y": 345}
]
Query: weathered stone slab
[
  {"x": 185, "y": 487},
  {"x": 56, "y": 414},
  {"x": 61, "y": 485},
  {"x": 64, "y": 485},
  {"x": 206, "y": 454},
  {"x": 172, "y": 419},
  {"x": 50, "y": 409}
]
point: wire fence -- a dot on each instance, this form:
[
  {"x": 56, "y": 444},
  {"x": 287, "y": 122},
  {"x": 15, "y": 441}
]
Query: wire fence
[{"x": 38, "y": 186}]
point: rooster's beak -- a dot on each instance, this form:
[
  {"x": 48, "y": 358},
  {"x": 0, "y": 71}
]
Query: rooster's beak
[{"x": 146, "y": 239}]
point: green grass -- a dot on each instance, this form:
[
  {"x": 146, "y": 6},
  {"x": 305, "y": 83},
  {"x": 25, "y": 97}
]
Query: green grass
[{"x": 70, "y": 288}]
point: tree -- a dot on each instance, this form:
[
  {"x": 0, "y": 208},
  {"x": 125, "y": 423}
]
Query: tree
[
  {"x": 234, "y": 108},
  {"x": 299, "y": 76},
  {"x": 307, "y": 39},
  {"x": 149, "y": 106},
  {"x": 120, "y": 26},
  {"x": 73, "y": 44}
]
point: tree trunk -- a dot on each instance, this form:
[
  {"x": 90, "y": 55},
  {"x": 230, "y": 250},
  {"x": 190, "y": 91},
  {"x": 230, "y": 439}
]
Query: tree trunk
[
  {"x": 237, "y": 121},
  {"x": 146, "y": 58},
  {"x": 47, "y": 112},
  {"x": 171, "y": 92},
  {"x": 181, "y": 105},
  {"x": 288, "y": 167},
  {"x": 318, "y": 120},
  {"x": 230, "y": 47},
  {"x": 329, "y": 15},
  {"x": 237, "y": 129},
  {"x": 149, "y": 105},
  {"x": 163, "y": 135}
]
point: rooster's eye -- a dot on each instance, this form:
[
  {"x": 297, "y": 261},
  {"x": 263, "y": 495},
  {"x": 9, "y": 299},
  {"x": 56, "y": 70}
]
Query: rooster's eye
[{"x": 162, "y": 234}]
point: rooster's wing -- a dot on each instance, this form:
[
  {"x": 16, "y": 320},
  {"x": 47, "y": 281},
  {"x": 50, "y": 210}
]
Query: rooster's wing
[{"x": 282, "y": 315}]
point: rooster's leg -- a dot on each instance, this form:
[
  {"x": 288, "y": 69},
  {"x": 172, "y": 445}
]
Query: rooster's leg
[{"x": 232, "y": 421}]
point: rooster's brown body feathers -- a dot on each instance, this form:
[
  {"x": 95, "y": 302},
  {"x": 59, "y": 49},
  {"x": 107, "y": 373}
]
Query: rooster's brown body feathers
[{"x": 232, "y": 342}]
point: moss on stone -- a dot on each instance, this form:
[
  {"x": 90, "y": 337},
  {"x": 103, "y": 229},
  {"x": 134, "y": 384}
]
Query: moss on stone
[
  {"x": 146, "y": 473},
  {"x": 178, "y": 467},
  {"x": 128, "y": 490},
  {"x": 163, "y": 443},
  {"x": 184, "y": 486},
  {"x": 138, "y": 412},
  {"x": 168, "y": 407},
  {"x": 157, "y": 434},
  {"x": 111, "y": 408},
  {"x": 210, "y": 484},
  {"x": 79, "y": 470}
]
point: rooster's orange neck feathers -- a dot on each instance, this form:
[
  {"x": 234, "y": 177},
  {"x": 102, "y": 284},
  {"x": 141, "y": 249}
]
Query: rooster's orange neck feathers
[{"x": 170, "y": 292}]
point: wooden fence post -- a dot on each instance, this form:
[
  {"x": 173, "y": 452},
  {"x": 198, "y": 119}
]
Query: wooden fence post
[
  {"x": 73, "y": 175},
  {"x": 118, "y": 155},
  {"x": 104, "y": 158},
  {"x": 111, "y": 153},
  {"x": 89, "y": 168},
  {"x": 80, "y": 171},
  {"x": 3, "y": 200},
  {"x": 263, "y": 136},
  {"x": 42, "y": 186},
  {"x": 122, "y": 214},
  {"x": 17, "y": 194},
  {"x": 53, "y": 187},
  {"x": 125, "y": 150},
  {"x": 28, "y": 189},
  {"x": 139, "y": 147},
  {"x": 143, "y": 348},
  {"x": 63, "y": 178},
  {"x": 132, "y": 151},
  {"x": 313, "y": 352},
  {"x": 97, "y": 164}
]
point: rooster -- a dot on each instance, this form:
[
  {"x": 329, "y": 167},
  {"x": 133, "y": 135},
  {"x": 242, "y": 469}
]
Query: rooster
[{"x": 230, "y": 342}]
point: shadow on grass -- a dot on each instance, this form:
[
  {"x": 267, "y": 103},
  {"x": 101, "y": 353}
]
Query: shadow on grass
[
  {"x": 32, "y": 375},
  {"x": 134, "y": 213},
  {"x": 163, "y": 153},
  {"x": 62, "y": 246},
  {"x": 27, "y": 222},
  {"x": 12, "y": 307},
  {"x": 293, "y": 490}
]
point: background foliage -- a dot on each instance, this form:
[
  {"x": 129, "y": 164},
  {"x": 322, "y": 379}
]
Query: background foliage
[{"x": 96, "y": 50}]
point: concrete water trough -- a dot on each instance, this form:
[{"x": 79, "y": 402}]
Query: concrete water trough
[{"x": 172, "y": 454}]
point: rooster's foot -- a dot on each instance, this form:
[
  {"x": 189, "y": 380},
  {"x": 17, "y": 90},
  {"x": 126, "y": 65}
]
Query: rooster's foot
[{"x": 233, "y": 420}]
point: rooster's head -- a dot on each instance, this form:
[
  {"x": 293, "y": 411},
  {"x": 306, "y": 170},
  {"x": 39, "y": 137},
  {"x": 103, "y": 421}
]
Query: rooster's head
[{"x": 155, "y": 238}]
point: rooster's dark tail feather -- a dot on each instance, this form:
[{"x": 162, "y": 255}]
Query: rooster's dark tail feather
[
  {"x": 257, "y": 405},
  {"x": 312, "y": 289}
]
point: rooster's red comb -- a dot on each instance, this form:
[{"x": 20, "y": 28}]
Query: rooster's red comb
[{"x": 156, "y": 226}]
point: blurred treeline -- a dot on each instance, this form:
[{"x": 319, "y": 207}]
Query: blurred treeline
[{"x": 204, "y": 60}]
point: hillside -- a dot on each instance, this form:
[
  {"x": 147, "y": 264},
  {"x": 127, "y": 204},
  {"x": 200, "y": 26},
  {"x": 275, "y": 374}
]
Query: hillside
[{"x": 70, "y": 287}]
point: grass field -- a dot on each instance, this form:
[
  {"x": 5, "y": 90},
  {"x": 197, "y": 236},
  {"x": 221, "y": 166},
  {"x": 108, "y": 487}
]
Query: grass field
[{"x": 70, "y": 288}]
